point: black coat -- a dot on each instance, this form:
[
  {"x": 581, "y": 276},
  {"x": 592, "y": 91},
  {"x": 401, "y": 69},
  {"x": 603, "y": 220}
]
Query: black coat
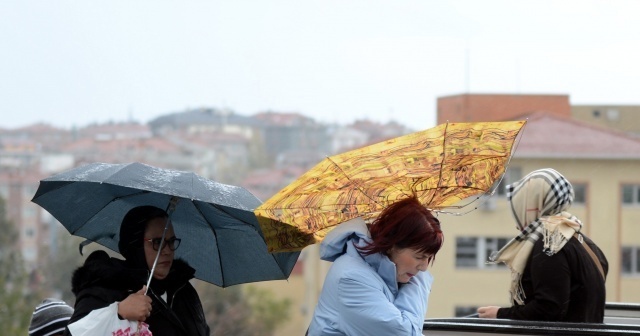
[
  {"x": 566, "y": 286},
  {"x": 103, "y": 280}
]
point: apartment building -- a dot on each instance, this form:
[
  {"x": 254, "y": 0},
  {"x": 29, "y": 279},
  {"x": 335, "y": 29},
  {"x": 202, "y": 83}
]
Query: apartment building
[{"x": 603, "y": 165}]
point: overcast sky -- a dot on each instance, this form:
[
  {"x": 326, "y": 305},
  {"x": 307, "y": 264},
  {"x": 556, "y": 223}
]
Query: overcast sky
[{"x": 76, "y": 62}]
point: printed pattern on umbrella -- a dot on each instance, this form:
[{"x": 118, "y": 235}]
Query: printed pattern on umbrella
[{"x": 441, "y": 166}]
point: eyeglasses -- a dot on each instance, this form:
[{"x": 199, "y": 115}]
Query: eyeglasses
[{"x": 172, "y": 242}]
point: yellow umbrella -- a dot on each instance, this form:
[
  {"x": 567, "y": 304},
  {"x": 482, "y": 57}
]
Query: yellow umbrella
[{"x": 441, "y": 166}]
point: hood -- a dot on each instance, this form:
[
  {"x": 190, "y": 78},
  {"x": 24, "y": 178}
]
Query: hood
[
  {"x": 101, "y": 270},
  {"x": 343, "y": 240},
  {"x": 334, "y": 243}
]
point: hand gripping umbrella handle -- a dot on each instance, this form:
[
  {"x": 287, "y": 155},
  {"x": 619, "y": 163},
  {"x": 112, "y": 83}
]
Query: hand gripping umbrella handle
[{"x": 170, "y": 209}]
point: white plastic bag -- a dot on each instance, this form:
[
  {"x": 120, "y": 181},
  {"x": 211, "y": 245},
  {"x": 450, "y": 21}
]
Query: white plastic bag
[{"x": 105, "y": 322}]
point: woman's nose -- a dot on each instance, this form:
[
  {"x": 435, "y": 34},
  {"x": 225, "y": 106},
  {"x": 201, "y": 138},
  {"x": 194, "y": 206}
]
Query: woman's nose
[{"x": 166, "y": 249}]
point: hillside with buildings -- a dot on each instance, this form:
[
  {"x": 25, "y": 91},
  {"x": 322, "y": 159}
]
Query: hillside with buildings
[{"x": 596, "y": 147}]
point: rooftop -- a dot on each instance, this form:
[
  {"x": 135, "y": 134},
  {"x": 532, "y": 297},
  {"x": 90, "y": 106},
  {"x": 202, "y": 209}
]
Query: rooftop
[{"x": 549, "y": 136}]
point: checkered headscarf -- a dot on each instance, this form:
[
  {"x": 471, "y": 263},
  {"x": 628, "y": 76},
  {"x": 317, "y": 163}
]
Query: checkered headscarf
[
  {"x": 538, "y": 202},
  {"x": 543, "y": 192}
]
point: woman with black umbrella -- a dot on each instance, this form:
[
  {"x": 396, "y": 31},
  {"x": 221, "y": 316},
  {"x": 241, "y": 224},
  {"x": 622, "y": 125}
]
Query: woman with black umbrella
[{"x": 171, "y": 305}]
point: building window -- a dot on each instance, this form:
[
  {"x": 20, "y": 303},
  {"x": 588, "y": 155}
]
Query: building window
[
  {"x": 580, "y": 193},
  {"x": 631, "y": 260},
  {"x": 512, "y": 174},
  {"x": 630, "y": 194},
  {"x": 466, "y": 252},
  {"x": 464, "y": 311},
  {"x": 474, "y": 252}
]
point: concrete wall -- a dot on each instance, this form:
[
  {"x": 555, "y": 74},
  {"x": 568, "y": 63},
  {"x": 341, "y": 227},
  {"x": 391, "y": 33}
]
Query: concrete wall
[{"x": 625, "y": 118}]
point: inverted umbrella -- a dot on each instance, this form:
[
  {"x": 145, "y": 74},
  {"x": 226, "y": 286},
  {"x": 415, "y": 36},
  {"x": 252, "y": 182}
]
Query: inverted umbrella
[
  {"x": 441, "y": 166},
  {"x": 220, "y": 235}
]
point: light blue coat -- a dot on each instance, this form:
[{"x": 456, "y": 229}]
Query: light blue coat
[{"x": 360, "y": 295}]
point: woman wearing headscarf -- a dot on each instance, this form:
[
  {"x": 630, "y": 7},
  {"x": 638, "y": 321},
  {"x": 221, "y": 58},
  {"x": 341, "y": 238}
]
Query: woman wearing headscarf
[
  {"x": 558, "y": 273},
  {"x": 171, "y": 305},
  {"x": 378, "y": 283}
]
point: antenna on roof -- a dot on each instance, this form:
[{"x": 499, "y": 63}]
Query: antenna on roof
[
  {"x": 130, "y": 113},
  {"x": 467, "y": 67},
  {"x": 518, "y": 75}
]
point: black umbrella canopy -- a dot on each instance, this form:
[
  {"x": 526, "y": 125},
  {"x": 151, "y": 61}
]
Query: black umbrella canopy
[{"x": 220, "y": 235}]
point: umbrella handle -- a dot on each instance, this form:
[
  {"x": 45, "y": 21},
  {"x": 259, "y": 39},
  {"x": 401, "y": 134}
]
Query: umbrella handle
[
  {"x": 172, "y": 205},
  {"x": 170, "y": 209}
]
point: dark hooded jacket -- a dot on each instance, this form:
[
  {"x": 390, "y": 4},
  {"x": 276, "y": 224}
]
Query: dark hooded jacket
[
  {"x": 566, "y": 286},
  {"x": 103, "y": 280}
]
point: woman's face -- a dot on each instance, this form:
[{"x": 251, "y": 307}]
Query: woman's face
[
  {"x": 154, "y": 231},
  {"x": 408, "y": 262}
]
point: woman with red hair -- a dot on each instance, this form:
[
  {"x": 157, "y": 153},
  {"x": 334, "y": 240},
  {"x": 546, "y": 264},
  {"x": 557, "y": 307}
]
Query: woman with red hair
[{"x": 378, "y": 283}]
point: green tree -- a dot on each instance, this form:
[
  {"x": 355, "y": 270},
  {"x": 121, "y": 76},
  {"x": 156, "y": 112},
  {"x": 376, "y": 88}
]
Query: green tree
[
  {"x": 17, "y": 298},
  {"x": 242, "y": 310}
]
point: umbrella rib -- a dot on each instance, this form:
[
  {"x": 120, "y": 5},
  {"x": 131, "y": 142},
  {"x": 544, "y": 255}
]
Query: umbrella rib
[
  {"x": 444, "y": 154},
  {"x": 348, "y": 178},
  {"x": 271, "y": 254},
  {"x": 215, "y": 234},
  {"x": 216, "y": 206}
]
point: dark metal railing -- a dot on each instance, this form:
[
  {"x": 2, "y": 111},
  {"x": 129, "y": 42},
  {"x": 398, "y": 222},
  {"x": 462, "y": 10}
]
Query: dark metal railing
[{"x": 475, "y": 326}]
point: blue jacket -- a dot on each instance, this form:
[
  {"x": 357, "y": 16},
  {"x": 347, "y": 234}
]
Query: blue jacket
[{"x": 360, "y": 295}]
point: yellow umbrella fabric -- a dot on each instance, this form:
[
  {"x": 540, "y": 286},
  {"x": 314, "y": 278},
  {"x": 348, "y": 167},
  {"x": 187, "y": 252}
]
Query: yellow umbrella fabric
[{"x": 441, "y": 166}]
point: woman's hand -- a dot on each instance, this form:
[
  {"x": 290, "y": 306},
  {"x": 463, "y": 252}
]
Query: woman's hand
[
  {"x": 136, "y": 307},
  {"x": 488, "y": 312}
]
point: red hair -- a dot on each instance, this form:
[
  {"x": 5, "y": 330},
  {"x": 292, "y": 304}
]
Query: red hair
[{"x": 405, "y": 224}]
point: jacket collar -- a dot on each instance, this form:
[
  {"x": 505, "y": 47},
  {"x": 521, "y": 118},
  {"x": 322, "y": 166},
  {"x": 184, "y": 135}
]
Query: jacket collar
[
  {"x": 101, "y": 270},
  {"x": 385, "y": 268},
  {"x": 344, "y": 238}
]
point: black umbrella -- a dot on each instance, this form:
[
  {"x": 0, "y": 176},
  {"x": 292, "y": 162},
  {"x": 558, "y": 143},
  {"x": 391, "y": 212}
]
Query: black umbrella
[{"x": 220, "y": 235}]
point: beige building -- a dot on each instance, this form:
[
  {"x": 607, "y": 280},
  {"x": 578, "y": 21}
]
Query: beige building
[
  {"x": 604, "y": 167},
  {"x": 625, "y": 118}
]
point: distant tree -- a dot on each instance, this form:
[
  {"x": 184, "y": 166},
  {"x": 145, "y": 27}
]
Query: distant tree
[
  {"x": 58, "y": 267},
  {"x": 268, "y": 312},
  {"x": 17, "y": 297},
  {"x": 242, "y": 310}
]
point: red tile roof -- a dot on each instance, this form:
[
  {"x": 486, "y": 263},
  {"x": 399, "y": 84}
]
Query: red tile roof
[{"x": 551, "y": 136}]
